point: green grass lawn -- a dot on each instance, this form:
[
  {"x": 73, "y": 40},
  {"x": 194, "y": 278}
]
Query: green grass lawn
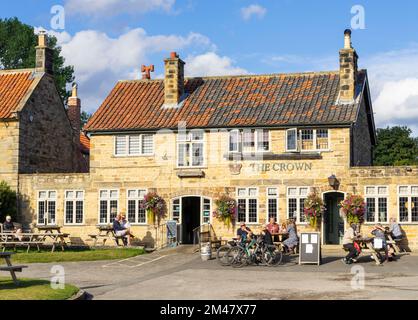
[
  {"x": 69, "y": 255},
  {"x": 29, "y": 289}
]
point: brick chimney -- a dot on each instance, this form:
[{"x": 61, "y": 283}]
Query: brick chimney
[
  {"x": 348, "y": 70},
  {"x": 74, "y": 110},
  {"x": 174, "y": 81},
  {"x": 44, "y": 55}
]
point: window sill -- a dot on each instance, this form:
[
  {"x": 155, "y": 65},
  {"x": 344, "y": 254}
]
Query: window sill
[
  {"x": 190, "y": 173},
  {"x": 273, "y": 156},
  {"x": 133, "y": 156}
]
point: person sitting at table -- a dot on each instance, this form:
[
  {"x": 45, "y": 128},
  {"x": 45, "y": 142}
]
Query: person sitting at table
[
  {"x": 273, "y": 228},
  {"x": 243, "y": 233},
  {"x": 395, "y": 229},
  {"x": 348, "y": 243},
  {"x": 121, "y": 231},
  {"x": 379, "y": 233},
  {"x": 9, "y": 227},
  {"x": 267, "y": 238},
  {"x": 292, "y": 241}
]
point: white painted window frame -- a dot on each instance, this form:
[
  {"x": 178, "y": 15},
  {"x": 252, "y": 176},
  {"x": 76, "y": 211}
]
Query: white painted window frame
[
  {"x": 297, "y": 197},
  {"x": 190, "y": 142},
  {"x": 247, "y": 197},
  {"x": 136, "y": 199},
  {"x": 376, "y": 196},
  {"x": 269, "y": 197},
  {"x": 47, "y": 200},
  {"x": 74, "y": 201},
  {"x": 108, "y": 199},
  {"x": 127, "y": 154},
  {"x": 409, "y": 195}
]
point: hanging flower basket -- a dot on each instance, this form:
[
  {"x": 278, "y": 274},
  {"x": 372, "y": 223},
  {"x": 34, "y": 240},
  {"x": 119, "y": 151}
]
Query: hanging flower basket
[
  {"x": 353, "y": 208},
  {"x": 155, "y": 208},
  {"x": 313, "y": 209},
  {"x": 226, "y": 210}
]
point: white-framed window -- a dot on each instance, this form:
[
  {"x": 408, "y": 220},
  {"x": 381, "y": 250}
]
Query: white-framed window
[
  {"x": 249, "y": 140},
  {"x": 135, "y": 206},
  {"x": 408, "y": 204},
  {"x": 307, "y": 140},
  {"x": 272, "y": 195},
  {"x": 47, "y": 207},
  {"x": 176, "y": 210},
  {"x": 74, "y": 207},
  {"x": 296, "y": 197},
  {"x": 376, "y": 204},
  {"x": 247, "y": 201},
  {"x": 108, "y": 205},
  {"x": 191, "y": 149},
  {"x": 134, "y": 145}
]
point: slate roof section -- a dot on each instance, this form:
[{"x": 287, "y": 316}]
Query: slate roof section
[
  {"x": 15, "y": 86},
  {"x": 277, "y": 100}
]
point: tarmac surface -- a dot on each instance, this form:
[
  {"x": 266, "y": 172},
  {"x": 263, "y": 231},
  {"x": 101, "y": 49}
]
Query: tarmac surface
[{"x": 178, "y": 274}]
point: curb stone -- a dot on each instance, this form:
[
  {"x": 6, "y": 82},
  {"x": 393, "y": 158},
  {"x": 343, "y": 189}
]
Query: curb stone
[{"x": 80, "y": 295}]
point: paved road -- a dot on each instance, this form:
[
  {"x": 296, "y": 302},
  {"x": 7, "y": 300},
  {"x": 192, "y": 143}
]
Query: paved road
[{"x": 179, "y": 274}]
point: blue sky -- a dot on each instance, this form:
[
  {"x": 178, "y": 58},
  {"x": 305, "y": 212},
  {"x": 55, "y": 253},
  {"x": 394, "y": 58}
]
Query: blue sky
[{"x": 108, "y": 40}]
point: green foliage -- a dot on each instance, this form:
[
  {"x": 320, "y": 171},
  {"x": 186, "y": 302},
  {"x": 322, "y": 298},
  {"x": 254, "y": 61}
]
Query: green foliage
[
  {"x": 8, "y": 201},
  {"x": 395, "y": 147},
  {"x": 17, "y": 51},
  {"x": 85, "y": 117}
]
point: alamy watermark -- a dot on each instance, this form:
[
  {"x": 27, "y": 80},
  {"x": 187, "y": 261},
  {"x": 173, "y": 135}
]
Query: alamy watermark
[
  {"x": 358, "y": 21},
  {"x": 58, "y": 277}
]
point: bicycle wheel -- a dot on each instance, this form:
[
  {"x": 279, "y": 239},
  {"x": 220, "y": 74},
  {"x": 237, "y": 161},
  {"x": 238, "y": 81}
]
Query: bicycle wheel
[
  {"x": 272, "y": 257},
  {"x": 237, "y": 257},
  {"x": 222, "y": 256}
]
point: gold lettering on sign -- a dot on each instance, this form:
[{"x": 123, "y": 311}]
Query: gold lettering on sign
[{"x": 282, "y": 167}]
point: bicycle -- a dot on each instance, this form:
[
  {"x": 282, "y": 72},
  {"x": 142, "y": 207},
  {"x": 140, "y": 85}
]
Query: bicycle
[
  {"x": 222, "y": 253},
  {"x": 256, "y": 252}
]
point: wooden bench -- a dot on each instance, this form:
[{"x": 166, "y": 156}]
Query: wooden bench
[
  {"x": 9, "y": 267},
  {"x": 96, "y": 237},
  {"x": 16, "y": 244}
]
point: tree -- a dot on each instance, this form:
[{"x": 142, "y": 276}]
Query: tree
[
  {"x": 85, "y": 117},
  {"x": 17, "y": 51},
  {"x": 395, "y": 147},
  {"x": 8, "y": 201}
]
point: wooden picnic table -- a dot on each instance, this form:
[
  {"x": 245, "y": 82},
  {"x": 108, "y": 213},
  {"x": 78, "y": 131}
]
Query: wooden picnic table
[
  {"x": 53, "y": 232},
  {"x": 9, "y": 267},
  {"x": 105, "y": 232},
  {"x": 366, "y": 245},
  {"x": 280, "y": 235},
  {"x": 19, "y": 239}
]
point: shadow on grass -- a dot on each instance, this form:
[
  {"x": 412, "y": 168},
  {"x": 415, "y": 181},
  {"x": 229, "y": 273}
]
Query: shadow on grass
[{"x": 8, "y": 284}]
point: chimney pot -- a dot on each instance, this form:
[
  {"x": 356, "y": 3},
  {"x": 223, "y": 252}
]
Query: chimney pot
[{"x": 173, "y": 55}]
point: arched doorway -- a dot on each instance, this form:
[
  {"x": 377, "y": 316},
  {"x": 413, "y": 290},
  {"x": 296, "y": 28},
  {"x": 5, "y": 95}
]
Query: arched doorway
[
  {"x": 190, "y": 212},
  {"x": 333, "y": 224}
]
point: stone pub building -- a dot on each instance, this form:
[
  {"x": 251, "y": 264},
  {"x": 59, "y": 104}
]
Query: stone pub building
[{"x": 265, "y": 140}]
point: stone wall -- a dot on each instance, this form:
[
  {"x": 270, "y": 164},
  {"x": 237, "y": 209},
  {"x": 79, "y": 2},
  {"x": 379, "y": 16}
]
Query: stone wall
[
  {"x": 46, "y": 141},
  {"x": 9, "y": 152},
  {"x": 361, "y": 141}
]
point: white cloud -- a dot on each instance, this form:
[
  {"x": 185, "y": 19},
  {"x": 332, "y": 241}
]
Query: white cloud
[
  {"x": 211, "y": 64},
  {"x": 100, "y": 61},
  {"x": 393, "y": 80},
  {"x": 114, "y": 7},
  {"x": 253, "y": 10}
]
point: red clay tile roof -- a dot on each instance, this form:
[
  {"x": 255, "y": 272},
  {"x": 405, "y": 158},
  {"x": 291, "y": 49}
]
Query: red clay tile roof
[
  {"x": 222, "y": 102},
  {"x": 14, "y": 87},
  {"x": 84, "y": 143}
]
